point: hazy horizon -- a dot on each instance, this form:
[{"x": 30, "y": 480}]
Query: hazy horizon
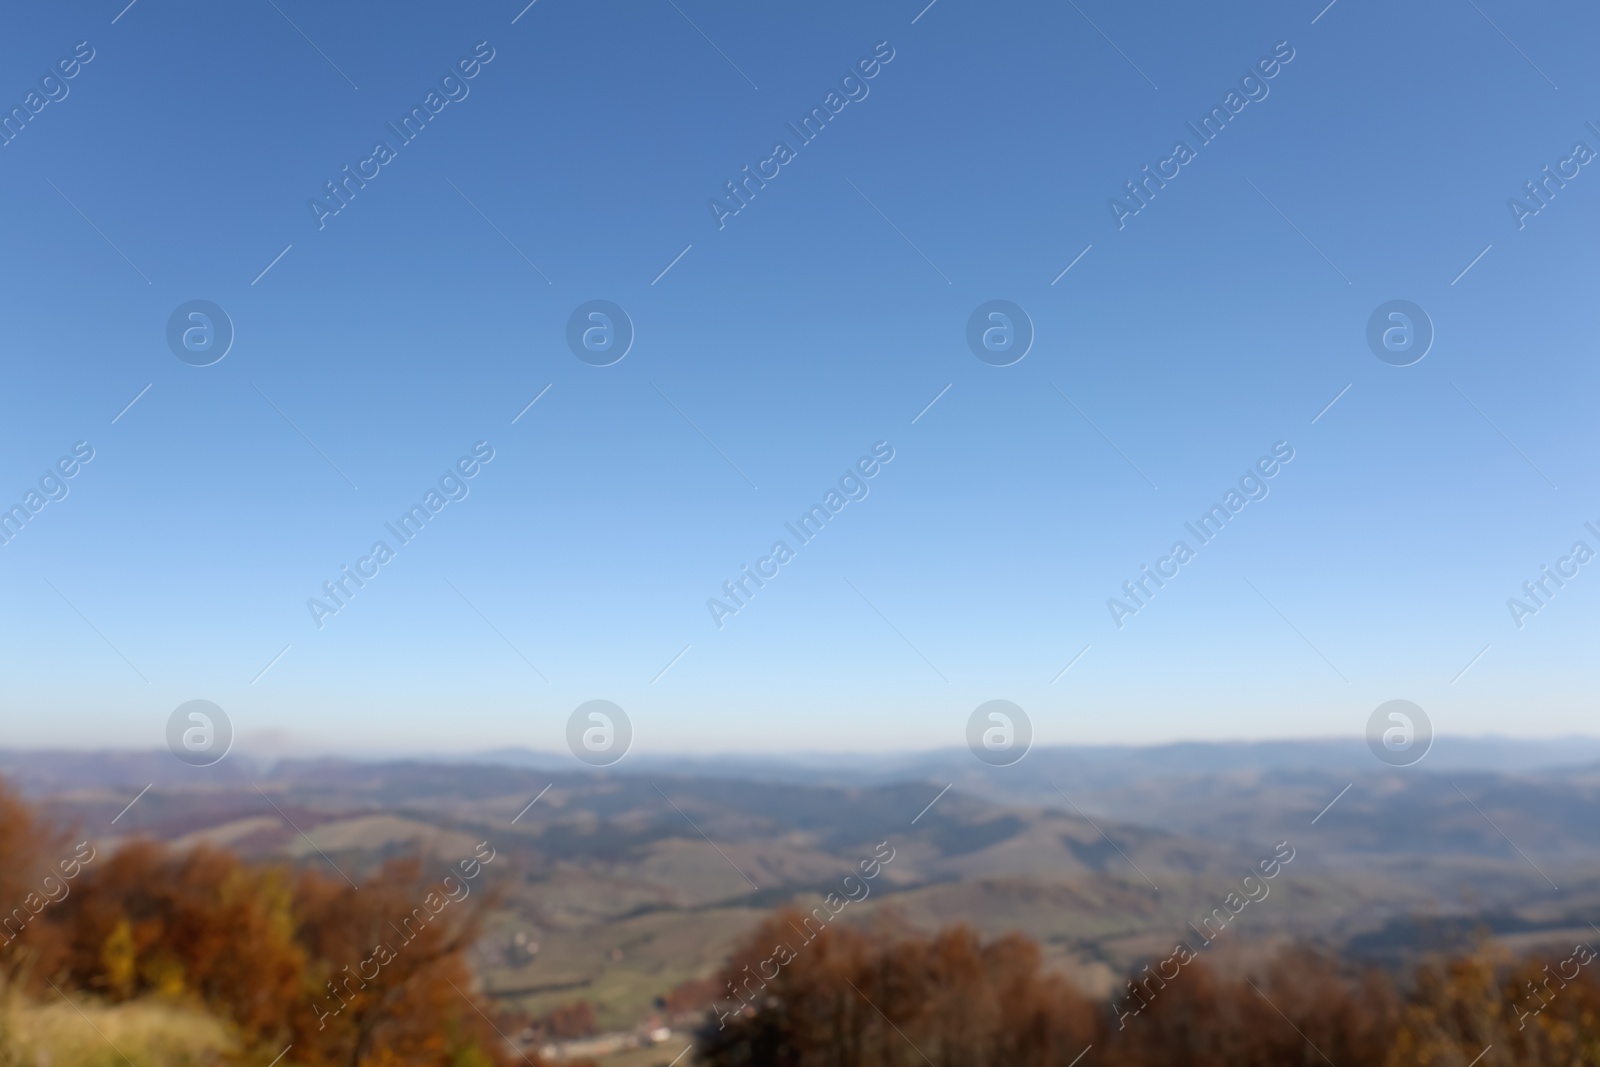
[{"x": 276, "y": 746}]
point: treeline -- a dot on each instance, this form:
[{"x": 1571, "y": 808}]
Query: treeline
[
  {"x": 852, "y": 997},
  {"x": 292, "y": 960}
]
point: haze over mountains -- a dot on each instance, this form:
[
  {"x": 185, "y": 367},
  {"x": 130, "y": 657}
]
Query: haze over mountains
[{"x": 51, "y": 768}]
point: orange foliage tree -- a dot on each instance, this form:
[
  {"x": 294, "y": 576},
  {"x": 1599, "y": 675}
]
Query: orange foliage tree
[
  {"x": 32, "y": 876},
  {"x": 388, "y": 975},
  {"x": 347, "y": 977},
  {"x": 1306, "y": 1008},
  {"x": 844, "y": 996},
  {"x": 153, "y": 920},
  {"x": 1541, "y": 1010}
]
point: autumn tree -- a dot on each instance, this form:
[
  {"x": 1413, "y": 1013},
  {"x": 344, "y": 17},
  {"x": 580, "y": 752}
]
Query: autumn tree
[
  {"x": 347, "y": 977},
  {"x": 34, "y": 861},
  {"x": 1303, "y": 1007},
  {"x": 388, "y": 981},
  {"x": 150, "y": 919},
  {"x": 793, "y": 997},
  {"x": 1541, "y": 1010}
]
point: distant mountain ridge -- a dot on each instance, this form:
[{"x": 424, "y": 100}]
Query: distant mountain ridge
[
  {"x": 1493, "y": 754},
  {"x": 1094, "y": 766}
]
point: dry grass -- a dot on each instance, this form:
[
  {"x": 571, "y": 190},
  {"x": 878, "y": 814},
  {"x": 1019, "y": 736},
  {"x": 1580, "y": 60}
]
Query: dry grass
[{"x": 86, "y": 1034}]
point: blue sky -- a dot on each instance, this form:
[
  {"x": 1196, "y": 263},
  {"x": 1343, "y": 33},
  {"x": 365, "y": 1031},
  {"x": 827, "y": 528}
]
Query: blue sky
[{"x": 780, "y": 348}]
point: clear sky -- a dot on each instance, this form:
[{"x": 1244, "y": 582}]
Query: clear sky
[{"x": 775, "y": 347}]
